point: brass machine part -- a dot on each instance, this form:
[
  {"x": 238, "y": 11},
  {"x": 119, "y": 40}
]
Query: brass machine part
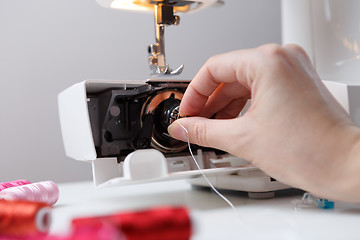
[{"x": 150, "y": 106}]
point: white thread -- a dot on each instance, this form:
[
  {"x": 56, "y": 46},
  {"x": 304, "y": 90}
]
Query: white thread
[{"x": 203, "y": 174}]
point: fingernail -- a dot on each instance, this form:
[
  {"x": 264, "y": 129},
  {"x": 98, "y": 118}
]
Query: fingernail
[{"x": 177, "y": 132}]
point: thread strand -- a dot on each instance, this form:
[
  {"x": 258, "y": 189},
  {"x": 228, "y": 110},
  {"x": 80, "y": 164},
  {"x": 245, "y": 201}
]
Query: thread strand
[{"x": 203, "y": 174}]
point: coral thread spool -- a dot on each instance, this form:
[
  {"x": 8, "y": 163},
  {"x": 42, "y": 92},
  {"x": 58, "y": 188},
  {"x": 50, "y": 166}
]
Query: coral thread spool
[
  {"x": 166, "y": 223},
  {"x": 46, "y": 192},
  {"x": 5, "y": 185},
  {"x": 22, "y": 218}
]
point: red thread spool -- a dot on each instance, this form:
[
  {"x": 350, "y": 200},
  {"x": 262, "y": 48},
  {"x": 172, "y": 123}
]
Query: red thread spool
[
  {"x": 166, "y": 223},
  {"x": 101, "y": 231},
  {"x": 22, "y": 218},
  {"x": 16, "y": 183}
]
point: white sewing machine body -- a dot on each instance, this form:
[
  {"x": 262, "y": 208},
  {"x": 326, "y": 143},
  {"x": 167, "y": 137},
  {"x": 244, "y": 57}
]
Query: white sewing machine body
[{"x": 329, "y": 32}]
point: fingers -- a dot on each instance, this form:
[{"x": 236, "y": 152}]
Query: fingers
[
  {"x": 296, "y": 50},
  {"x": 218, "y": 71},
  {"x": 226, "y": 101},
  {"x": 219, "y": 134},
  {"x": 231, "y": 110}
]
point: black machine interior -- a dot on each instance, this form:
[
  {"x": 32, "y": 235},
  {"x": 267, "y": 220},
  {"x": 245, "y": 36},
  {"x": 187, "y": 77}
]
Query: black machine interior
[{"x": 123, "y": 120}]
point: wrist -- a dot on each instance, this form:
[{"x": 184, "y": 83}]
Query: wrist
[
  {"x": 335, "y": 169},
  {"x": 339, "y": 177},
  {"x": 349, "y": 184}
]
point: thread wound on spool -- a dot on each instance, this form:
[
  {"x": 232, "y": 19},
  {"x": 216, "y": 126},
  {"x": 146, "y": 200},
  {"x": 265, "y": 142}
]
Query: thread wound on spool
[
  {"x": 20, "y": 182},
  {"x": 46, "y": 192},
  {"x": 23, "y": 218},
  {"x": 166, "y": 223}
]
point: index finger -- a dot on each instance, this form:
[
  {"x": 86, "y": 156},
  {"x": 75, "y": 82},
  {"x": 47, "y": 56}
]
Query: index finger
[{"x": 219, "y": 69}]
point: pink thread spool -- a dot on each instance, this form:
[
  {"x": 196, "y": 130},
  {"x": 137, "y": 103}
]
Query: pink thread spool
[
  {"x": 16, "y": 183},
  {"x": 46, "y": 192}
]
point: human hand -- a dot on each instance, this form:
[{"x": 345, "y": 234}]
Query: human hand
[{"x": 294, "y": 129}]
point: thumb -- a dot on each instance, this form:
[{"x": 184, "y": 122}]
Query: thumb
[{"x": 222, "y": 134}]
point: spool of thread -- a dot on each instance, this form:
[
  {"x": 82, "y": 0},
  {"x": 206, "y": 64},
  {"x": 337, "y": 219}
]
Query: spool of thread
[
  {"x": 102, "y": 231},
  {"x": 16, "y": 183},
  {"x": 46, "y": 192},
  {"x": 23, "y": 218},
  {"x": 166, "y": 223}
]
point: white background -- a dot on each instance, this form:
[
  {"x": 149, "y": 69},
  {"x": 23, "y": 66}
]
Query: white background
[{"x": 48, "y": 45}]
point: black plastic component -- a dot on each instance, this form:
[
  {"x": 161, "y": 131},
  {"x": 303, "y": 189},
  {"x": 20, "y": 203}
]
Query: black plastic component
[
  {"x": 163, "y": 111},
  {"x": 117, "y": 135},
  {"x": 143, "y": 140},
  {"x": 163, "y": 119},
  {"x": 165, "y": 15}
]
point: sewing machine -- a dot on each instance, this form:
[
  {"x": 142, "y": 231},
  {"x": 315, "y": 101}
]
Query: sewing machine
[{"x": 120, "y": 127}]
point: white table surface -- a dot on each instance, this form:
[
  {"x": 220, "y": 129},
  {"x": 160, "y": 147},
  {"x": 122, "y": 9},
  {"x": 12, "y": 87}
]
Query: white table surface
[{"x": 213, "y": 218}]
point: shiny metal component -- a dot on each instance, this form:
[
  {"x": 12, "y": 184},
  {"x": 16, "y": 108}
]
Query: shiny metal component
[
  {"x": 177, "y": 20},
  {"x": 154, "y": 101},
  {"x": 164, "y": 16},
  {"x": 164, "y": 116},
  {"x": 174, "y": 114}
]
